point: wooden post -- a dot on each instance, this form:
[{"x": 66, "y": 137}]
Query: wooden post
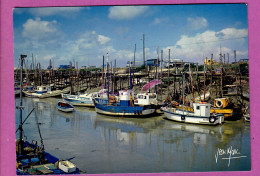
[
  {"x": 191, "y": 80},
  {"x": 161, "y": 70},
  {"x": 221, "y": 76},
  {"x": 228, "y": 61},
  {"x": 169, "y": 71},
  {"x": 204, "y": 79},
  {"x": 211, "y": 70},
  {"x": 77, "y": 78},
  {"x": 103, "y": 71}
]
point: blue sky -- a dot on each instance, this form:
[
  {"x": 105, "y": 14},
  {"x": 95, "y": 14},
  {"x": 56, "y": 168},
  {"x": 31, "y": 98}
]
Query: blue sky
[{"x": 86, "y": 34}]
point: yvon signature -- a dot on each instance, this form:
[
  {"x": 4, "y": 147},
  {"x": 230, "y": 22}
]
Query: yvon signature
[{"x": 228, "y": 154}]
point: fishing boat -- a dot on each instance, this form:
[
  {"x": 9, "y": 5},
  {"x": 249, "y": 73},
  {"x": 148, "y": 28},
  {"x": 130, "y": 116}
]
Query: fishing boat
[
  {"x": 78, "y": 100},
  {"x": 64, "y": 106},
  {"x": 146, "y": 99},
  {"x": 125, "y": 107},
  {"x": 84, "y": 99},
  {"x": 45, "y": 92},
  {"x": 31, "y": 158},
  {"x": 200, "y": 115}
]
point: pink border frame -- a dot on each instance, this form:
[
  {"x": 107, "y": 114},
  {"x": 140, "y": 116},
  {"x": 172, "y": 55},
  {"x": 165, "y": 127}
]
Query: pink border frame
[{"x": 7, "y": 121}]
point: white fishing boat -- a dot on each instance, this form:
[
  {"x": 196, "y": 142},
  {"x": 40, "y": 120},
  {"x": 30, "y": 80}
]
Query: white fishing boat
[
  {"x": 45, "y": 92},
  {"x": 78, "y": 100},
  {"x": 201, "y": 115},
  {"x": 84, "y": 99},
  {"x": 64, "y": 106}
]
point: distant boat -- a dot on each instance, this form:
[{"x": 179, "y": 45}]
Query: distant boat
[
  {"x": 201, "y": 115},
  {"x": 125, "y": 107},
  {"x": 64, "y": 106},
  {"x": 45, "y": 92}
]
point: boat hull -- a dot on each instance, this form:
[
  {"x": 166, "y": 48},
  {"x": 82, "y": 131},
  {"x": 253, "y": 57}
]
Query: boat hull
[
  {"x": 186, "y": 118},
  {"x": 133, "y": 111},
  {"x": 80, "y": 102},
  {"x": 67, "y": 107}
]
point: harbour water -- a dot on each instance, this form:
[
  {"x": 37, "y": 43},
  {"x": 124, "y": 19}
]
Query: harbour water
[{"x": 104, "y": 144}]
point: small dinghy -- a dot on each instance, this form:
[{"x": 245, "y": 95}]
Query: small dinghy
[
  {"x": 64, "y": 106},
  {"x": 67, "y": 166}
]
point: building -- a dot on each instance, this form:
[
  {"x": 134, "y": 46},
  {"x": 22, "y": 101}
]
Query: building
[
  {"x": 174, "y": 63},
  {"x": 65, "y": 67},
  {"x": 152, "y": 62}
]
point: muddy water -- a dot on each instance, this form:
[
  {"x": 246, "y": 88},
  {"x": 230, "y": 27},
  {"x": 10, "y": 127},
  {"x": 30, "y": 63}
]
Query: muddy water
[{"x": 103, "y": 144}]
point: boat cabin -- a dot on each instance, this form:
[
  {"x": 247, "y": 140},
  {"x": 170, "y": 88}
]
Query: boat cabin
[
  {"x": 43, "y": 89},
  {"x": 146, "y": 99},
  {"x": 201, "y": 109},
  {"x": 126, "y": 97}
]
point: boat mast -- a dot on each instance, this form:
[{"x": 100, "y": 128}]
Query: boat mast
[
  {"x": 130, "y": 80},
  {"x": 107, "y": 78},
  {"x": 156, "y": 65},
  {"x": 20, "y": 151},
  {"x": 183, "y": 89}
]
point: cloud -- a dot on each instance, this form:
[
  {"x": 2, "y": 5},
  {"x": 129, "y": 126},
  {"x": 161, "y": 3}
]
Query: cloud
[
  {"x": 197, "y": 23},
  {"x": 193, "y": 48},
  {"x": 126, "y": 12},
  {"x": 159, "y": 21},
  {"x": 49, "y": 11},
  {"x": 40, "y": 30},
  {"x": 88, "y": 44},
  {"x": 103, "y": 39}
]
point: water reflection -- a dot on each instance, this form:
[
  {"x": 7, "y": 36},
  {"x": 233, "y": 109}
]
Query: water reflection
[{"x": 102, "y": 143}]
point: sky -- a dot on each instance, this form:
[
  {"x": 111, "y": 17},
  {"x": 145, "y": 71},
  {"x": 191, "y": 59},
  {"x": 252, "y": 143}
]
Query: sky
[{"x": 84, "y": 35}]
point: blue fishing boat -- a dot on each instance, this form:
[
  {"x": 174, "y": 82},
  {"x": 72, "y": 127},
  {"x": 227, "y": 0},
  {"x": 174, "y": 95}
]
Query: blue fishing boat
[
  {"x": 31, "y": 158},
  {"x": 125, "y": 107}
]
